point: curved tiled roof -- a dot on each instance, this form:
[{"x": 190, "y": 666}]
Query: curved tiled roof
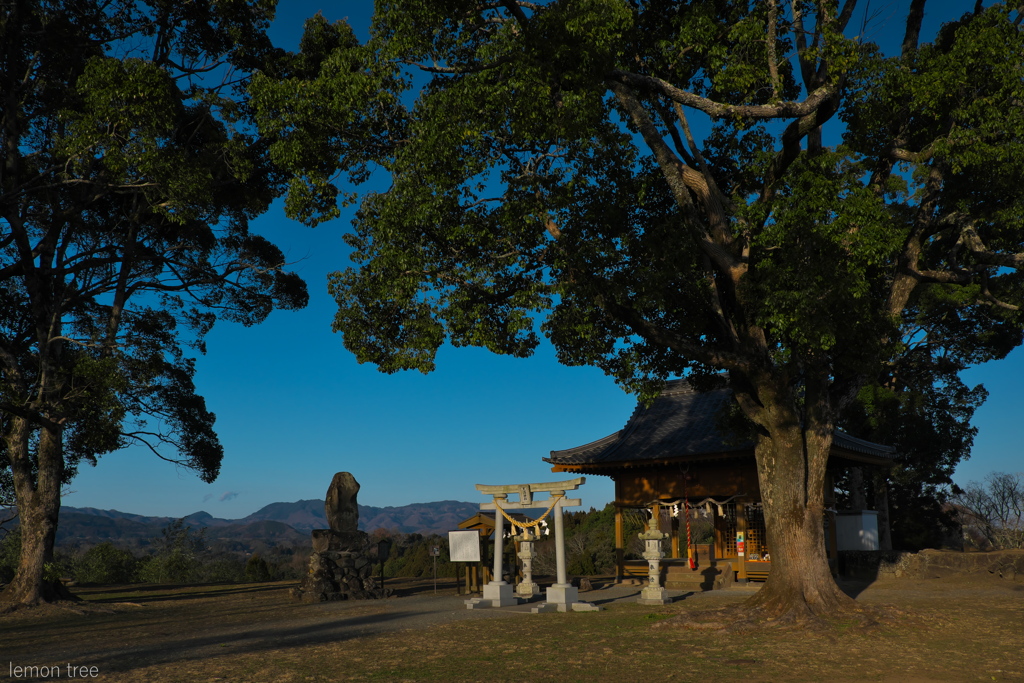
[{"x": 682, "y": 422}]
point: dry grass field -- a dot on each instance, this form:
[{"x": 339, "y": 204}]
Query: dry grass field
[{"x": 959, "y": 628}]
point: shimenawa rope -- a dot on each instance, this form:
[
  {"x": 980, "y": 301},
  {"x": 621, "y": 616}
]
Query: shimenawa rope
[{"x": 534, "y": 523}]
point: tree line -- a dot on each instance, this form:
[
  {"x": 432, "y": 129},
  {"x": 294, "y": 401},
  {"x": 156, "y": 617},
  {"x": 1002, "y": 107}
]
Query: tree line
[{"x": 181, "y": 555}]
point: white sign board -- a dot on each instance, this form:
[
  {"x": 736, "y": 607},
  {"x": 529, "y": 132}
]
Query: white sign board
[{"x": 464, "y": 546}]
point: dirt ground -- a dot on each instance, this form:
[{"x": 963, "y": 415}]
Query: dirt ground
[{"x": 956, "y": 628}]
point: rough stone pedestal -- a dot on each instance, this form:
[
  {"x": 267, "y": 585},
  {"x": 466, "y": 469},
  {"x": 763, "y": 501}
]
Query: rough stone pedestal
[
  {"x": 341, "y": 564},
  {"x": 496, "y": 594},
  {"x": 340, "y": 568},
  {"x": 653, "y": 595}
]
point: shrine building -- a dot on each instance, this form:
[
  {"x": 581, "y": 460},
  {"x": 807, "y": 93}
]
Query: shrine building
[{"x": 674, "y": 455}]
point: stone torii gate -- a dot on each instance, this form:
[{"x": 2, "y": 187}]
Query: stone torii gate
[{"x": 562, "y": 596}]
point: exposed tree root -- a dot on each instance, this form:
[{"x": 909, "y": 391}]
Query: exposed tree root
[
  {"x": 51, "y": 592},
  {"x": 58, "y": 608}
]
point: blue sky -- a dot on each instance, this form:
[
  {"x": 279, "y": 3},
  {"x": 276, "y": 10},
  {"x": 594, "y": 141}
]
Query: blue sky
[{"x": 293, "y": 406}]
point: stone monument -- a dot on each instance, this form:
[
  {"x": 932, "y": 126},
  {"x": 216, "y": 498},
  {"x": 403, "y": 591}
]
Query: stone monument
[
  {"x": 341, "y": 564},
  {"x": 340, "y": 506}
]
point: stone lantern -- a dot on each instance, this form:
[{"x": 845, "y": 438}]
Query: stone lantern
[
  {"x": 653, "y": 593},
  {"x": 527, "y": 588}
]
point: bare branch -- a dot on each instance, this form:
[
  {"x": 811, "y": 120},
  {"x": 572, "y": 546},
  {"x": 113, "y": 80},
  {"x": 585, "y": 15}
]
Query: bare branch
[
  {"x": 436, "y": 69},
  {"x": 773, "y": 67},
  {"x": 969, "y": 238},
  {"x": 719, "y": 109},
  {"x": 846, "y": 13},
  {"x": 913, "y": 157}
]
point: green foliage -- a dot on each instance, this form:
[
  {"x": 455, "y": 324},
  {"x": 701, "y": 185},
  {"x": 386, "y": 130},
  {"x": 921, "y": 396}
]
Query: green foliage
[
  {"x": 924, "y": 411},
  {"x": 223, "y": 570},
  {"x": 590, "y": 541},
  {"x": 106, "y": 563},
  {"x": 257, "y": 569},
  {"x": 180, "y": 555},
  {"x": 131, "y": 175},
  {"x": 518, "y": 129},
  {"x": 177, "y": 557},
  {"x": 410, "y": 557},
  {"x": 10, "y": 551}
]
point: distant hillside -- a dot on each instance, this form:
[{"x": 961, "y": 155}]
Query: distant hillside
[
  {"x": 423, "y": 518},
  {"x": 420, "y": 518},
  {"x": 302, "y": 514},
  {"x": 275, "y": 524}
]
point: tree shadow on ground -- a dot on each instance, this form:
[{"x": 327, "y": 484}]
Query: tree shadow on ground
[
  {"x": 185, "y": 647},
  {"x": 171, "y": 592}
]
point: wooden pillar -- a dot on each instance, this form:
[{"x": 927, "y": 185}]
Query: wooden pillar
[
  {"x": 741, "y": 528},
  {"x": 677, "y": 528},
  {"x": 718, "y": 522},
  {"x": 620, "y": 545},
  {"x": 620, "y": 540}
]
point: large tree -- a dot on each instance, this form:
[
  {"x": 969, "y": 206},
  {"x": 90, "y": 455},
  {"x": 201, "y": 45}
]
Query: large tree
[
  {"x": 127, "y": 181},
  {"x": 740, "y": 190}
]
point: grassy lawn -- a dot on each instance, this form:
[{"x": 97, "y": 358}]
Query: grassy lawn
[{"x": 953, "y": 629}]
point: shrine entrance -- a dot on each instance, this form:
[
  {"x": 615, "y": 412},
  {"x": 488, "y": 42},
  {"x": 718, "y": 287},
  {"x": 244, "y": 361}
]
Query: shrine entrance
[{"x": 562, "y": 596}]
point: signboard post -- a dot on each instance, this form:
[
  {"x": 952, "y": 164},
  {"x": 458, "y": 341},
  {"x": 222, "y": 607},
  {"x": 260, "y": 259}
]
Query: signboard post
[{"x": 435, "y": 550}]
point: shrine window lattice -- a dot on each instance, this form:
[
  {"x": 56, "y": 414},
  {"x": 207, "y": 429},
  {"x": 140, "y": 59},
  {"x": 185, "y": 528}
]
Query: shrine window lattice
[
  {"x": 757, "y": 537},
  {"x": 729, "y": 530}
]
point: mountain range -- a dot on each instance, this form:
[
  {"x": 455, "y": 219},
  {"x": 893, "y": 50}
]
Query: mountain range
[{"x": 274, "y": 524}]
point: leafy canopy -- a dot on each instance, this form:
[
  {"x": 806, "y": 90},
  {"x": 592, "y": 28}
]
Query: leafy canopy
[
  {"x": 128, "y": 176},
  {"x": 647, "y": 184}
]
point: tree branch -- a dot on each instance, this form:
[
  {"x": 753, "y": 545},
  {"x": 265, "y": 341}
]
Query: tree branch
[
  {"x": 681, "y": 178},
  {"x": 914, "y": 18},
  {"x": 667, "y": 339},
  {"x": 773, "y": 67},
  {"x": 719, "y": 109}
]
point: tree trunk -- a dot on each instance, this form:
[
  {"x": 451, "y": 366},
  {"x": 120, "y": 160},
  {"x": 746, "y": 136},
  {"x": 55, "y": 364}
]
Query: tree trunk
[
  {"x": 38, "y": 497},
  {"x": 791, "y": 466}
]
